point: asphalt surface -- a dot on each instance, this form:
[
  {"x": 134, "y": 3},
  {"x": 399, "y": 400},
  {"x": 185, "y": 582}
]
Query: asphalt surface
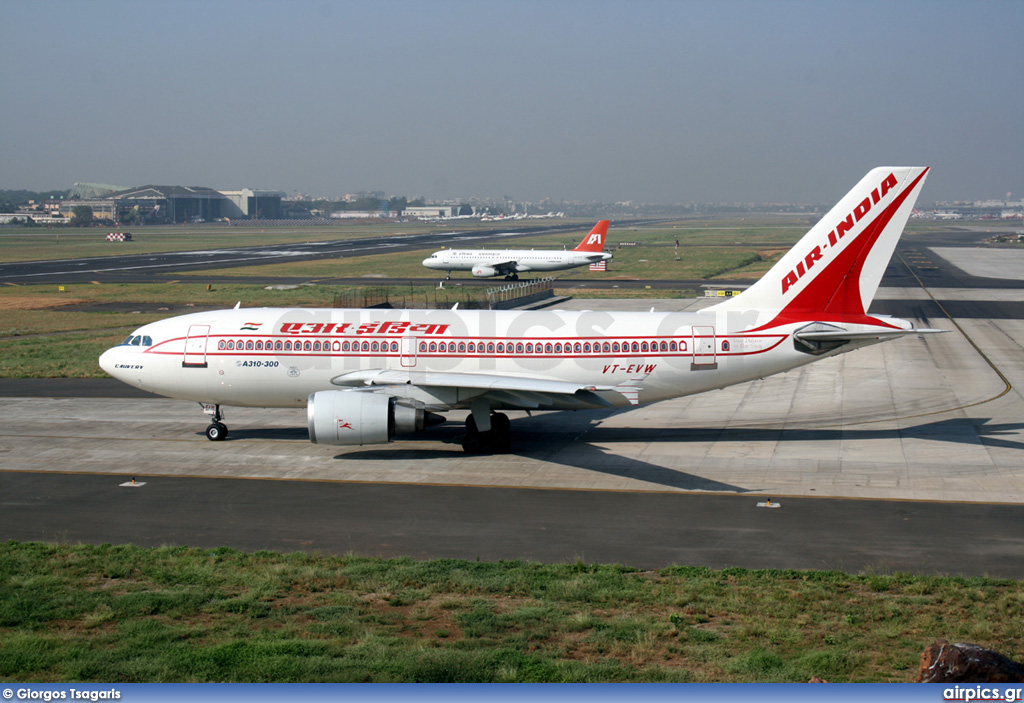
[{"x": 644, "y": 530}]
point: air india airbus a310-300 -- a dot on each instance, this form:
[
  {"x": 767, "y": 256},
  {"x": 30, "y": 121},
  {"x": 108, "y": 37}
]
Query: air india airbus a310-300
[{"x": 365, "y": 376}]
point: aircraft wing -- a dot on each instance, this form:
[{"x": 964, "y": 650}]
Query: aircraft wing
[
  {"x": 510, "y": 391},
  {"x": 503, "y": 267}
]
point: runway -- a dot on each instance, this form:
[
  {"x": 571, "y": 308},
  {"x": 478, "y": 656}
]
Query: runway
[
  {"x": 642, "y": 530},
  {"x": 902, "y": 456},
  {"x": 143, "y": 268}
]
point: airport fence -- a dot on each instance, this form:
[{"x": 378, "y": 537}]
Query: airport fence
[
  {"x": 408, "y": 297},
  {"x": 515, "y": 295}
]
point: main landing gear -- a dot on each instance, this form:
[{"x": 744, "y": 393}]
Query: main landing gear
[
  {"x": 216, "y": 431},
  {"x": 492, "y": 441},
  {"x": 512, "y": 277}
]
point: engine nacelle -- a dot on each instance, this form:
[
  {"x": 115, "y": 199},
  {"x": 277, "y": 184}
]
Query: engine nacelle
[
  {"x": 481, "y": 271},
  {"x": 357, "y": 418}
]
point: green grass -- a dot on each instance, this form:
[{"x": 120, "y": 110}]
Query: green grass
[{"x": 126, "y": 614}]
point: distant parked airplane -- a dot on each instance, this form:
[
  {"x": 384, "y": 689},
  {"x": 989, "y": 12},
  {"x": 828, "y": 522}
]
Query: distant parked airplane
[{"x": 485, "y": 263}]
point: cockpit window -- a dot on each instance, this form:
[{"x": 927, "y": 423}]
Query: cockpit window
[{"x": 138, "y": 340}]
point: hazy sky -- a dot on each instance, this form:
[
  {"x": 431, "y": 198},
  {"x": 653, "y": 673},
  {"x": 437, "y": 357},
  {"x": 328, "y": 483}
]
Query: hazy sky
[{"x": 657, "y": 101}]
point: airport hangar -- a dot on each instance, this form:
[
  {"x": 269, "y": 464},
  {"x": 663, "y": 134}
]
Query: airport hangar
[{"x": 175, "y": 204}]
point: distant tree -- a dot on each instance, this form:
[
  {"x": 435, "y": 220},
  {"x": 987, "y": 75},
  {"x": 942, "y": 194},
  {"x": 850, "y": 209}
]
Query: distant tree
[{"x": 81, "y": 216}]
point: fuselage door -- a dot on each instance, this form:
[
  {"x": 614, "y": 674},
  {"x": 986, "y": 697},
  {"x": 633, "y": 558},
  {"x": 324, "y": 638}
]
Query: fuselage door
[
  {"x": 704, "y": 347},
  {"x": 195, "y": 347},
  {"x": 409, "y": 351}
]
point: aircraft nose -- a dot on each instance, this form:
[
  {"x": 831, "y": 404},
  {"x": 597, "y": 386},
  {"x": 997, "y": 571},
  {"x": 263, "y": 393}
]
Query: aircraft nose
[{"x": 107, "y": 362}]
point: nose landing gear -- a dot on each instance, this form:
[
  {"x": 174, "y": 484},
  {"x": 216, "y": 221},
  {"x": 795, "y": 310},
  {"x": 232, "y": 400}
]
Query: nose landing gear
[{"x": 216, "y": 431}]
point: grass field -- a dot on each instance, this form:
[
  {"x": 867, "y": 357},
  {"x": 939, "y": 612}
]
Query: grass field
[{"x": 127, "y": 614}]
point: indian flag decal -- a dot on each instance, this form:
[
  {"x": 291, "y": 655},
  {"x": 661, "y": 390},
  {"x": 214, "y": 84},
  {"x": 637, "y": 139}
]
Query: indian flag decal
[{"x": 254, "y": 326}]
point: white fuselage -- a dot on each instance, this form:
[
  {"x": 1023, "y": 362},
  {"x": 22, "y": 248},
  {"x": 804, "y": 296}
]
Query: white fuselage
[{"x": 277, "y": 357}]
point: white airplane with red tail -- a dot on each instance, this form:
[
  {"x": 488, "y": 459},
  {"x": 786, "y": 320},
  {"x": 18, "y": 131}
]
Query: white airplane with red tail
[
  {"x": 365, "y": 376},
  {"x": 509, "y": 263}
]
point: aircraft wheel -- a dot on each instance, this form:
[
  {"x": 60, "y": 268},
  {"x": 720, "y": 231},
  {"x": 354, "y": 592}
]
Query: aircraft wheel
[
  {"x": 216, "y": 431},
  {"x": 496, "y": 441},
  {"x": 474, "y": 444},
  {"x": 500, "y": 423},
  {"x": 499, "y": 439}
]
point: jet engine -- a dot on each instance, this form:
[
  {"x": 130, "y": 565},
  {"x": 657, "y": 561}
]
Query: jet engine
[
  {"x": 352, "y": 417},
  {"x": 482, "y": 271}
]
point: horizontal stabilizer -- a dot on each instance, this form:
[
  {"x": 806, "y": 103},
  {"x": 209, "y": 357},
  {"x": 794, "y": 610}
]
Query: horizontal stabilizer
[{"x": 839, "y": 335}]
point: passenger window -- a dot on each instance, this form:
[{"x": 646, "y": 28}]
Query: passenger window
[
  {"x": 519, "y": 348},
  {"x": 462, "y": 347},
  {"x": 394, "y": 346}
]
